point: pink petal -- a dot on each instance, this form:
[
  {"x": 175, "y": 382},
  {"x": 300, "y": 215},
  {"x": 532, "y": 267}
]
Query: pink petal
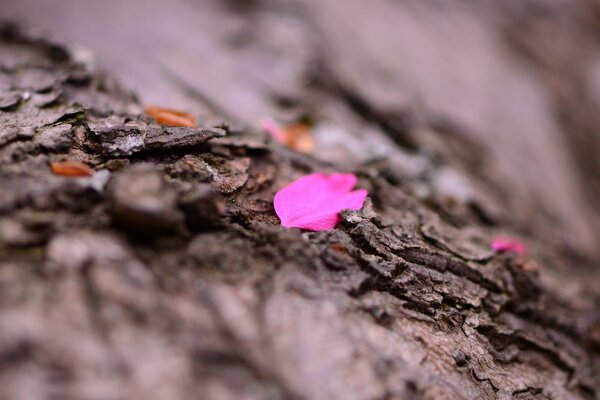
[
  {"x": 273, "y": 129},
  {"x": 314, "y": 201},
  {"x": 501, "y": 245}
]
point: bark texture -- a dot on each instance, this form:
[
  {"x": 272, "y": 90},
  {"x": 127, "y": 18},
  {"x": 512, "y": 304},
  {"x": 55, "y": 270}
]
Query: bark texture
[{"x": 166, "y": 275}]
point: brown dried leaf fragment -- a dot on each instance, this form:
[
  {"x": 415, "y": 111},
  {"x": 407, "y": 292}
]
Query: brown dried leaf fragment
[
  {"x": 167, "y": 116},
  {"x": 300, "y": 138},
  {"x": 297, "y": 137},
  {"x": 71, "y": 168}
]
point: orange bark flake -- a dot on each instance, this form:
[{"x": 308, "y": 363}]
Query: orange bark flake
[
  {"x": 297, "y": 137},
  {"x": 300, "y": 138},
  {"x": 170, "y": 117},
  {"x": 71, "y": 168}
]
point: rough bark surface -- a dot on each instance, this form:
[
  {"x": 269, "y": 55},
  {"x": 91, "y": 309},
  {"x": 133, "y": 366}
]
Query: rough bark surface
[{"x": 166, "y": 275}]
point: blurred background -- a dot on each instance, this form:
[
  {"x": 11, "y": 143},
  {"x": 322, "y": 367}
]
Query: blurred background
[{"x": 491, "y": 103}]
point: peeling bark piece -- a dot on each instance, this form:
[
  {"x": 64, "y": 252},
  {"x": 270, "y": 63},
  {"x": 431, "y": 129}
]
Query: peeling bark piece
[
  {"x": 227, "y": 175},
  {"x": 143, "y": 202},
  {"x": 23, "y": 122},
  {"x": 55, "y": 138},
  {"x": 46, "y": 99},
  {"x": 179, "y": 137},
  {"x": 126, "y": 139},
  {"x": 10, "y": 100},
  {"x": 118, "y": 140},
  {"x": 243, "y": 142}
]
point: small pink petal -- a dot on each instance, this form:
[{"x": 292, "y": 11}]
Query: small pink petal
[
  {"x": 314, "y": 201},
  {"x": 501, "y": 245},
  {"x": 273, "y": 129}
]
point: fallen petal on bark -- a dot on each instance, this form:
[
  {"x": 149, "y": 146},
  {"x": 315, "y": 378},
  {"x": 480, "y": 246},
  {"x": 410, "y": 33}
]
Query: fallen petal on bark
[
  {"x": 501, "y": 245},
  {"x": 314, "y": 201}
]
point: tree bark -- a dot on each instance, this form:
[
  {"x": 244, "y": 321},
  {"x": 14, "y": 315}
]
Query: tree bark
[{"x": 166, "y": 274}]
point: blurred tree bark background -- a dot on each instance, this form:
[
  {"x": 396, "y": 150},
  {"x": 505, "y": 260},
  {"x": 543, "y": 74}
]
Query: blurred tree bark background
[{"x": 166, "y": 273}]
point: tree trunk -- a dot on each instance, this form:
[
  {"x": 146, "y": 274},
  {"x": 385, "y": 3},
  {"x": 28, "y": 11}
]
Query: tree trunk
[{"x": 166, "y": 274}]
